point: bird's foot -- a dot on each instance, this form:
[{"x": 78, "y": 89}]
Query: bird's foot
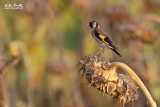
[{"x": 100, "y": 54}]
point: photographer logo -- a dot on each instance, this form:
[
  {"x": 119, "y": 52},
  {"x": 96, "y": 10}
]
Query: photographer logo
[{"x": 13, "y": 6}]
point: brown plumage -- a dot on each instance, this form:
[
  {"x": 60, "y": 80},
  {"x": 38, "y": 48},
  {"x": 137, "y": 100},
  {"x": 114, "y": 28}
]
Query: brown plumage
[{"x": 101, "y": 37}]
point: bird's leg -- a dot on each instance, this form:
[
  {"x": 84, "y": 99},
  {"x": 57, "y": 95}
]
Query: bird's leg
[
  {"x": 91, "y": 54},
  {"x": 107, "y": 58},
  {"x": 96, "y": 52},
  {"x": 102, "y": 52}
]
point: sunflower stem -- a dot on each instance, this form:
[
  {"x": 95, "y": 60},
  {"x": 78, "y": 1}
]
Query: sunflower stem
[{"x": 129, "y": 71}]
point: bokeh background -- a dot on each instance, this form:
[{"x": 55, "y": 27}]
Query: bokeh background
[{"x": 50, "y": 35}]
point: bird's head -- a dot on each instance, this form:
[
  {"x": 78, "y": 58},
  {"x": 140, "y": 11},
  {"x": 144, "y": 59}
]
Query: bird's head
[{"x": 93, "y": 24}]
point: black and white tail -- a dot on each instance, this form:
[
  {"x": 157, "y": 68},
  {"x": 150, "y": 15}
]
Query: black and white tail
[{"x": 116, "y": 52}]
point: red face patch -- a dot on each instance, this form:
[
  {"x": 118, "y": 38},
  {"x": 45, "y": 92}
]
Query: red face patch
[{"x": 91, "y": 24}]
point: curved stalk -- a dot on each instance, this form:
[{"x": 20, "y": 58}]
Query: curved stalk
[{"x": 134, "y": 76}]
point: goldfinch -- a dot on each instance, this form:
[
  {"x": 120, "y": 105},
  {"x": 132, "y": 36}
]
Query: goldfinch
[{"x": 101, "y": 37}]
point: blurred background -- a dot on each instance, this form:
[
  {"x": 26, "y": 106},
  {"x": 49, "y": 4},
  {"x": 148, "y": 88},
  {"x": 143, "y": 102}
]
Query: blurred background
[{"x": 50, "y": 35}]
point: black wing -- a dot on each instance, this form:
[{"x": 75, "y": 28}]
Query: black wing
[{"x": 110, "y": 42}]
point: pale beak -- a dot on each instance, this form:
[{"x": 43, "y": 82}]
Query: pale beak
[{"x": 88, "y": 24}]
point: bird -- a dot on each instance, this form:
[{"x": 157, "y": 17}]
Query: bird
[{"x": 102, "y": 38}]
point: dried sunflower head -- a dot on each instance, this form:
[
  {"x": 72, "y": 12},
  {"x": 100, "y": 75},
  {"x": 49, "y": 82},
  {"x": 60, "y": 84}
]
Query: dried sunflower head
[{"x": 103, "y": 76}]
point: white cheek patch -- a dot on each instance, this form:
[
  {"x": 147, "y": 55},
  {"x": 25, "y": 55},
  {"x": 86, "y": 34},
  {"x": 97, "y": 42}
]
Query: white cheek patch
[{"x": 94, "y": 26}]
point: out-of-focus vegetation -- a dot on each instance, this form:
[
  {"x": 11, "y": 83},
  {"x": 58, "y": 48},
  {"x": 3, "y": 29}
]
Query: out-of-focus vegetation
[{"x": 49, "y": 35}]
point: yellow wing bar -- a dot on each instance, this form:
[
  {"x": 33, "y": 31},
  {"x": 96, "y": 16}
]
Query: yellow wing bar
[{"x": 102, "y": 37}]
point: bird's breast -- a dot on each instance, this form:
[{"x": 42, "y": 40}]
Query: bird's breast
[{"x": 100, "y": 43}]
